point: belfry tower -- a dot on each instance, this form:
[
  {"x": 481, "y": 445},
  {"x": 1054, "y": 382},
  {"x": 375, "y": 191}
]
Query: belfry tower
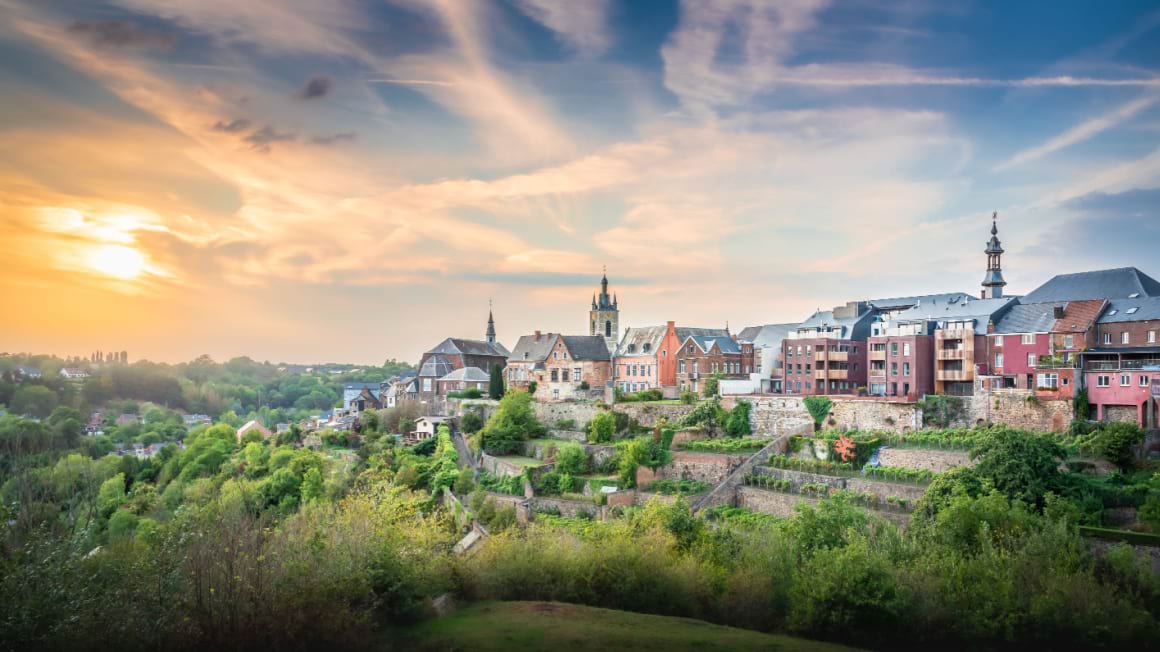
[
  {"x": 604, "y": 318},
  {"x": 993, "y": 282}
]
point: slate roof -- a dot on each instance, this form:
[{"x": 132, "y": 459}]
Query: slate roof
[
  {"x": 1029, "y": 318},
  {"x": 636, "y": 338},
  {"x": 468, "y": 374},
  {"x": 436, "y": 366},
  {"x": 534, "y": 350},
  {"x": 853, "y": 328},
  {"x": 749, "y": 333},
  {"x": 706, "y": 342},
  {"x": 769, "y": 335},
  {"x": 1118, "y": 283},
  {"x": 587, "y": 347},
  {"x": 454, "y": 345},
  {"x": 683, "y": 332},
  {"x": 981, "y": 311},
  {"x": 896, "y": 303},
  {"x": 1145, "y": 309}
]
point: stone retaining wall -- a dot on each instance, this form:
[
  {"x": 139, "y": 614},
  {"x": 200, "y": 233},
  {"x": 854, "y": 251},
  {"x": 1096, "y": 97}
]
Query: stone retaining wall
[
  {"x": 798, "y": 478},
  {"x": 706, "y": 467},
  {"x": 782, "y": 504},
  {"x": 923, "y": 458},
  {"x": 571, "y": 435},
  {"x": 569, "y": 508},
  {"x": 648, "y": 413},
  {"x": 1010, "y": 407},
  {"x": 886, "y": 489},
  {"x": 881, "y": 489},
  {"x": 549, "y": 413},
  {"x": 597, "y": 455}
]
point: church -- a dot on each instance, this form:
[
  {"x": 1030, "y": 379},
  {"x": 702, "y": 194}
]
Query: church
[{"x": 604, "y": 318}]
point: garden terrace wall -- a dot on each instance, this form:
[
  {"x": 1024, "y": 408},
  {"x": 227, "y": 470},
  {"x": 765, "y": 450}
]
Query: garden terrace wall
[
  {"x": 569, "y": 508},
  {"x": 798, "y": 478},
  {"x": 782, "y": 504},
  {"x": 934, "y": 460},
  {"x": 1011, "y": 408},
  {"x": 578, "y": 412},
  {"x": 886, "y": 489},
  {"x": 497, "y": 466},
  {"x": 597, "y": 455},
  {"x": 648, "y": 413},
  {"x": 877, "y": 487},
  {"x": 705, "y": 467},
  {"x": 571, "y": 435},
  {"x": 643, "y": 497}
]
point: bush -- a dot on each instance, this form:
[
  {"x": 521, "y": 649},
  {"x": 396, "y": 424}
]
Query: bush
[
  {"x": 819, "y": 407},
  {"x": 565, "y": 424},
  {"x": 471, "y": 423},
  {"x": 512, "y": 423},
  {"x": 470, "y": 392},
  {"x": 571, "y": 459},
  {"x": 1116, "y": 443},
  {"x": 602, "y": 428},
  {"x": 688, "y": 398}
]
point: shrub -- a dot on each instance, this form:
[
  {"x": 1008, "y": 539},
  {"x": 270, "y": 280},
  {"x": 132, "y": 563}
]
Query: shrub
[
  {"x": 471, "y": 423},
  {"x": 819, "y": 407},
  {"x": 470, "y": 392},
  {"x": 602, "y": 428},
  {"x": 532, "y": 387},
  {"x": 1117, "y": 441},
  {"x": 571, "y": 458},
  {"x": 688, "y": 398},
  {"x": 565, "y": 424},
  {"x": 737, "y": 424},
  {"x": 746, "y": 445}
]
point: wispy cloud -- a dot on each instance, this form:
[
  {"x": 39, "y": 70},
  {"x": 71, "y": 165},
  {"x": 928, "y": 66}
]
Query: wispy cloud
[
  {"x": 123, "y": 34},
  {"x": 581, "y": 25},
  {"x": 1080, "y": 132}
]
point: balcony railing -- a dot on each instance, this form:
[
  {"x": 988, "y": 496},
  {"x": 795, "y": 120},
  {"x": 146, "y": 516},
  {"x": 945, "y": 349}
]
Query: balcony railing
[
  {"x": 877, "y": 355},
  {"x": 953, "y": 334},
  {"x": 1055, "y": 362},
  {"x": 833, "y": 374},
  {"x": 1112, "y": 365},
  {"x": 963, "y": 374},
  {"x": 955, "y": 354}
]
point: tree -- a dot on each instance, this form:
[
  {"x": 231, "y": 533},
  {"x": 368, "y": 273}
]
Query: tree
[
  {"x": 711, "y": 384},
  {"x": 1022, "y": 465},
  {"x": 495, "y": 386},
  {"x": 819, "y": 408},
  {"x": 511, "y": 424},
  {"x": 1116, "y": 443},
  {"x": 532, "y": 388},
  {"x": 34, "y": 400},
  {"x": 312, "y": 487},
  {"x": 471, "y": 422}
]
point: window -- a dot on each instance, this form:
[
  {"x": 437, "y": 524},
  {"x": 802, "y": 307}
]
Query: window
[
  {"x": 1047, "y": 380},
  {"x": 1068, "y": 342},
  {"x": 1112, "y": 312},
  {"x": 1066, "y": 381},
  {"x": 894, "y": 348},
  {"x": 1103, "y": 381},
  {"x": 646, "y": 348},
  {"x": 1132, "y": 311},
  {"x": 1107, "y": 338},
  {"x": 1151, "y": 337},
  {"x": 556, "y": 394},
  {"x": 555, "y": 355},
  {"x": 1031, "y": 360},
  {"x": 1125, "y": 380},
  {"x": 1143, "y": 381},
  {"x": 906, "y": 348},
  {"x": 1124, "y": 337},
  {"x": 555, "y": 375},
  {"x": 1027, "y": 338},
  {"x": 664, "y": 353},
  {"x": 632, "y": 348},
  {"x": 905, "y": 368},
  {"x": 807, "y": 367},
  {"x": 893, "y": 368},
  {"x": 998, "y": 360},
  {"x": 998, "y": 340},
  {"x": 682, "y": 364},
  {"x": 426, "y": 384},
  {"x": 577, "y": 374}
]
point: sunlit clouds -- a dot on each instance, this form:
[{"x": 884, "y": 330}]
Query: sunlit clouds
[{"x": 346, "y": 180}]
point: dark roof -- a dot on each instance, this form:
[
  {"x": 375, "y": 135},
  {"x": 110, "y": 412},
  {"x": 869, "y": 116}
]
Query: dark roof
[
  {"x": 683, "y": 332},
  {"x": 354, "y": 386},
  {"x": 769, "y": 335},
  {"x": 706, "y": 342},
  {"x": 852, "y": 328},
  {"x": 586, "y": 347},
  {"x": 897, "y": 303},
  {"x": 534, "y": 349},
  {"x": 1122, "y": 349},
  {"x": 436, "y": 366},
  {"x": 1118, "y": 283},
  {"x": 453, "y": 345},
  {"x": 1145, "y": 309},
  {"x": 979, "y": 311},
  {"x": 1029, "y": 318}
]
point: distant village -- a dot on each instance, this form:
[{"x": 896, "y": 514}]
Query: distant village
[{"x": 1092, "y": 331}]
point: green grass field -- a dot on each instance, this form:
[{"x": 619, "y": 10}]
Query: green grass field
[
  {"x": 520, "y": 460},
  {"x": 516, "y": 626}
]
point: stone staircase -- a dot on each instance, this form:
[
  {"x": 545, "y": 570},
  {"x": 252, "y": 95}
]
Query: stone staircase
[
  {"x": 465, "y": 456},
  {"x": 724, "y": 491}
]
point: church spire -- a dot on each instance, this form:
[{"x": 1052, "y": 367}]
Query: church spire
[
  {"x": 490, "y": 324},
  {"x": 993, "y": 281}
]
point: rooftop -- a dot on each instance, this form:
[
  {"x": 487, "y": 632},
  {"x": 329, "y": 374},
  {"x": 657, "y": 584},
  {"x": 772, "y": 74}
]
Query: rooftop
[
  {"x": 1119, "y": 283},
  {"x": 1128, "y": 310}
]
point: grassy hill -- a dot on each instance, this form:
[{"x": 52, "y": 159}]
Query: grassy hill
[{"x": 515, "y": 626}]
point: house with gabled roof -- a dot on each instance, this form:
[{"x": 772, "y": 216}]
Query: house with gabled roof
[
  {"x": 703, "y": 356},
  {"x": 456, "y": 353},
  {"x": 1122, "y": 372},
  {"x": 464, "y": 378},
  {"x": 767, "y": 361},
  {"x": 576, "y": 366},
  {"x": 527, "y": 360}
]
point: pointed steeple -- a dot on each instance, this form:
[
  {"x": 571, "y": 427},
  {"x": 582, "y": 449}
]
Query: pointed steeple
[
  {"x": 490, "y": 324},
  {"x": 993, "y": 281}
]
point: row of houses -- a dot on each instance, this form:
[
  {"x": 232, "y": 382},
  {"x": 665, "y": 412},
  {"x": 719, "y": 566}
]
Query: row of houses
[{"x": 1093, "y": 331}]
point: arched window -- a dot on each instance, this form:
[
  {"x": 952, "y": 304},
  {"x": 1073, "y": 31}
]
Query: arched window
[{"x": 608, "y": 329}]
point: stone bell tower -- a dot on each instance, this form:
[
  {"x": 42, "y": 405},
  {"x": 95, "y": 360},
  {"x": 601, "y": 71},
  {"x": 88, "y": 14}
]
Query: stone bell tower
[{"x": 604, "y": 318}]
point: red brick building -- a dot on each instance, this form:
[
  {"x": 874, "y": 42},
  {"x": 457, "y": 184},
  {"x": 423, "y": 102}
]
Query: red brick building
[
  {"x": 1122, "y": 374},
  {"x": 701, "y": 357}
]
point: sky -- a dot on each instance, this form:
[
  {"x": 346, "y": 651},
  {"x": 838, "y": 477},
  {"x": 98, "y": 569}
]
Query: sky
[{"x": 351, "y": 181}]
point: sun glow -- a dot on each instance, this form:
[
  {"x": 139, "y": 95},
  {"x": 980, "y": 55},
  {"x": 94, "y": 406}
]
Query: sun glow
[{"x": 117, "y": 261}]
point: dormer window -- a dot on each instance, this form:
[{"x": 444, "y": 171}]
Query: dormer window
[
  {"x": 632, "y": 348},
  {"x": 646, "y": 348}
]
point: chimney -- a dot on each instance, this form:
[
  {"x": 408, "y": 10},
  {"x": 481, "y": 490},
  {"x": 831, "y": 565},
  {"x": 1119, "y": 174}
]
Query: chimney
[
  {"x": 537, "y": 336},
  {"x": 1059, "y": 312}
]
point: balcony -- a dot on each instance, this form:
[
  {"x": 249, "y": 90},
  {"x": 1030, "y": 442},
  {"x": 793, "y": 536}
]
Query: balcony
[
  {"x": 1056, "y": 362},
  {"x": 833, "y": 374},
  {"x": 956, "y": 354},
  {"x": 956, "y": 375},
  {"x": 877, "y": 355},
  {"x": 954, "y": 334},
  {"x": 877, "y": 373}
]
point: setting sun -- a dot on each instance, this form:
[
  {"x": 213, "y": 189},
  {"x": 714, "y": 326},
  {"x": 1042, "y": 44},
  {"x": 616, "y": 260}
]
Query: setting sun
[{"x": 118, "y": 261}]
